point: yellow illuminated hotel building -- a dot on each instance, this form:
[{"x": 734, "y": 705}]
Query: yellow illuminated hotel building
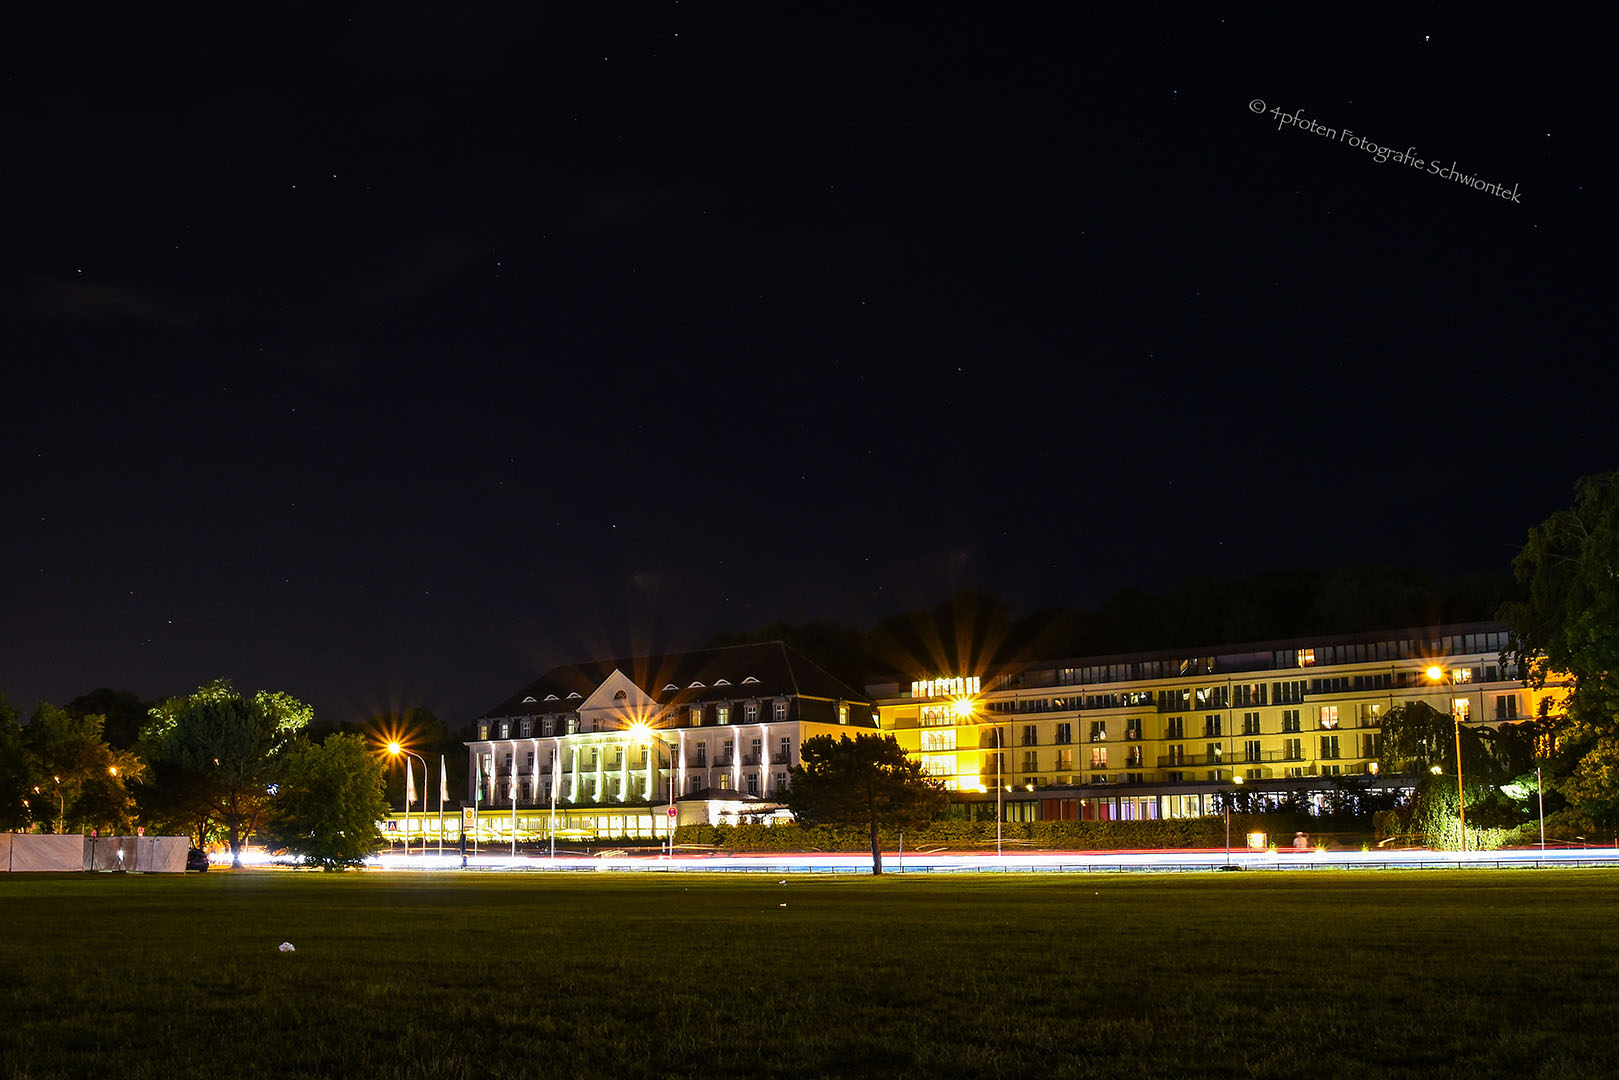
[
  {"x": 1160, "y": 734},
  {"x": 604, "y": 749}
]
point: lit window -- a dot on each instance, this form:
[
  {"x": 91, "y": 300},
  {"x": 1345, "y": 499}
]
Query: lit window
[
  {"x": 696, "y": 716},
  {"x": 1329, "y": 717},
  {"x": 1306, "y": 658},
  {"x": 722, "y": 714}
]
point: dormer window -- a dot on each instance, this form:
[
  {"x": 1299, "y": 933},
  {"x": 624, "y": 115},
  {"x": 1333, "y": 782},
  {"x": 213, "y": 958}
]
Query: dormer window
[
  {"x": 695, "y": 685},
  {"x": 528, "y": 700},
  {"x": 671, "y": 686},
  {"x": 749, "y": 679},
  {"x": 722, "y": 682},
  {"x": 621, "y": 696},
  {"x": 551, "y": 697},
  {"x": 573, "y": 696}
]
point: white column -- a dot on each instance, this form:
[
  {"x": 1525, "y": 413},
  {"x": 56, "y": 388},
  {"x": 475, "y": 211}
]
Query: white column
[{"x": 624, "y": 773}]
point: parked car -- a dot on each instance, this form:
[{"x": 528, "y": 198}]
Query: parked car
[{"x": 197, "y": 859}]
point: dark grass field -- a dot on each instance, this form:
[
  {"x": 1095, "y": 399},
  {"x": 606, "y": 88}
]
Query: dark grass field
[{"x": 1439, "y": 973}]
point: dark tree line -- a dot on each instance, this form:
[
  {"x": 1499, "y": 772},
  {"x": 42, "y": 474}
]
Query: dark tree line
[{"x": 973, "y": 631}]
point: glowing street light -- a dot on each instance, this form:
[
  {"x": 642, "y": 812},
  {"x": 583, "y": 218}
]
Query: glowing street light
[
  {"x": 395, "y": 749},
  {"x": 965, "y": 708},
  {"x": 1438, "y": 674},
  {"x": 641, "y": 732}
]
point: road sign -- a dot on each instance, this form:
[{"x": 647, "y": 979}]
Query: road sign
[{"x": 671, "y": 811}]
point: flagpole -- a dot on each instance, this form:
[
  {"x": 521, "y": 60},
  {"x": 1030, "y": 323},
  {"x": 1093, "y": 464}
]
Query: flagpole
[{"x": 443, "y": 782}]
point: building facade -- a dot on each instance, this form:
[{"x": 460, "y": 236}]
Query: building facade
[
  {"x": 1162, "y": 734},
  {"x": 606, "y": 748}
]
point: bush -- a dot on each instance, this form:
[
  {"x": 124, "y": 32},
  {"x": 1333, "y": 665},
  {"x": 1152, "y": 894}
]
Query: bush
[{"x": 1205, "y": 832}]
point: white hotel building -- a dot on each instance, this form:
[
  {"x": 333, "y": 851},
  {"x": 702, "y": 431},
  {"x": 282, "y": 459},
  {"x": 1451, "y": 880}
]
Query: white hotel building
[{"x": 604, "y": 748}]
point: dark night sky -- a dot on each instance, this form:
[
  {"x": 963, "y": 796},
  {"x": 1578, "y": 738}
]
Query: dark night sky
[{"x": 389, "y": 357}]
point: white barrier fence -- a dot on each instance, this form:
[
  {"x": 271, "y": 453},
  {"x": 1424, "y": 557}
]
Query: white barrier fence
[{"x": 37, "y": 852}]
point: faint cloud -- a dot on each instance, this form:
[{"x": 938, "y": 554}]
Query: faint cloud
[{"x": 92, "y": 301}]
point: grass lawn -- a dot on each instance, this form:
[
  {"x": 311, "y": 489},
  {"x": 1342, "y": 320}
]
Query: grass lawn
[{"x": 1387, "y": 973}]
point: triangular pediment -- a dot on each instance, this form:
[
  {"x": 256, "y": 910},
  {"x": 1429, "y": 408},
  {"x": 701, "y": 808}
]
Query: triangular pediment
[{"x": 616, "y": 703}]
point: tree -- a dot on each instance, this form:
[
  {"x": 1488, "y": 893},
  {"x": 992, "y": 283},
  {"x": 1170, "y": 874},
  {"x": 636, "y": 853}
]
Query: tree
[
  {"x": 1418, "y": 737},
  {"x": 81, "y": 782},
  {"x": 1566, "y": 624},
  {"x": 16, "y": 770},
  {"x": 328, "y": 802},
  {"x": 866, "y": 780},
  {"x": 123, "y": 714},
  {"x": 231, "y": 747}
]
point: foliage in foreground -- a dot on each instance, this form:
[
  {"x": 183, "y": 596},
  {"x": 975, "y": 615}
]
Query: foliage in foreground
[
  {"x": 59, "y": 773},
  {"x": 227, "y": 749},
  {"x": 1567, "y": 623},
  {"x": 328, "y": 803},
  {"x": 1205, "y": 832}
]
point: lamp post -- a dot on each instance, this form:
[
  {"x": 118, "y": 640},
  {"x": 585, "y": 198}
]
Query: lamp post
[
  {"x": 1237, "y": 780},
  {"x": 1540, "y": 794},
  {"x": 61, "y": 805},
  {"x": 1439, "y": 674},
  {"x": 396, "y": 750}
]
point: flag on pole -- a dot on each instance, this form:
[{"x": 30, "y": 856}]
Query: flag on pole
[
  {"x": 410, "y": 783},
  {"x": 443, "y": 782}
]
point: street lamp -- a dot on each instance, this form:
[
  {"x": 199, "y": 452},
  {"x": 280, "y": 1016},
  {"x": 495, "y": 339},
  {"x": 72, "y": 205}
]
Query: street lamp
[
  {"x": 61, "y": 805},
  {"x": 1540, "y": 793},
  {"x": 396, "y": 750},
  {"x": 1237, "y": 780},
  {"x": 1438, "y": 674},
  {"x": 965, "y": 708}
]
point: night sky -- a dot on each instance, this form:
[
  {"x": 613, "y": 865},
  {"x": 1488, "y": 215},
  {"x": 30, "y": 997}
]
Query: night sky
[{"x": 390, "y": 356}]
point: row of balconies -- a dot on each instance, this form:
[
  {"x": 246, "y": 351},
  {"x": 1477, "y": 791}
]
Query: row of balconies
[
  {"x": 986, "y": 737},
  {"x": 720, "y": 761},
  {"x": 1133, "y": 773}
]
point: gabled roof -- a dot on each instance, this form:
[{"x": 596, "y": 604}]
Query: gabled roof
[{"x": 765, "y": 670}]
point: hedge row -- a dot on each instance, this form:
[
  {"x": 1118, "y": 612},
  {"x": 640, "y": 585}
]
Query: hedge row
[{"x": 1206, "y": 832}]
